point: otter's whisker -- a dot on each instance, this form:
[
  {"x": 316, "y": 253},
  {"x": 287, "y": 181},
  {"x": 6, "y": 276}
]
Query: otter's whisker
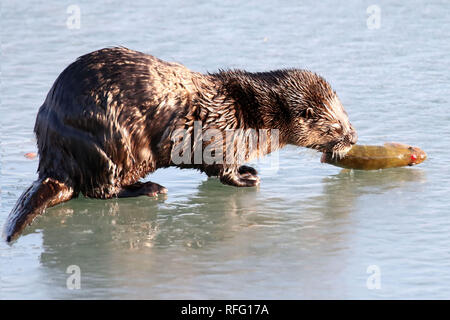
[{"x": 333, "y": 155}]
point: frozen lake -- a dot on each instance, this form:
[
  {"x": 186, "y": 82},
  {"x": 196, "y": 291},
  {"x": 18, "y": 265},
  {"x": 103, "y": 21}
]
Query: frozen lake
[{"x": 310, "y": 230}]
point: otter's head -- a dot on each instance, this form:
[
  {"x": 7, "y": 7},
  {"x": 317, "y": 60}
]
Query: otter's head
[{"x": 317, "y": 117}]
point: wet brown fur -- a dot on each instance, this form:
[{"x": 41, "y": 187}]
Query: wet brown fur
[{"x": 108, "y": 119}]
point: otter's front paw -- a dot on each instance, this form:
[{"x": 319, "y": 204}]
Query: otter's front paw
[
  {"x": 247, "y": 169},
  {"x": 240, "y": 180}
]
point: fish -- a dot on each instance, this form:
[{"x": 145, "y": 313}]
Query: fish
[{"x": 373, "y": 157}]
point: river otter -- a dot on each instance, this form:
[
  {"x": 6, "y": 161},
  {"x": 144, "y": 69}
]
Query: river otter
[{"x": 108, "y": 119}]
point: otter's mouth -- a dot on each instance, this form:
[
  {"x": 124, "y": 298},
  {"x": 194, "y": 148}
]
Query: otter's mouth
[{"x": 337, "y": 152}]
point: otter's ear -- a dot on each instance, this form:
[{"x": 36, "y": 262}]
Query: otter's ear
[{"x": 307, "y": 113}]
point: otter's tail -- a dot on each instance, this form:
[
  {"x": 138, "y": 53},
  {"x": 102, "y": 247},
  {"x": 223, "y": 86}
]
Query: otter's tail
[{"x": 43, "y": 193}]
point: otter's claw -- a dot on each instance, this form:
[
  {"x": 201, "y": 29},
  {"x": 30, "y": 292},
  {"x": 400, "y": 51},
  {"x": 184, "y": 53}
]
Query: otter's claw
[
  {"x": 240, "y": 180},
  {"x": 247, "y": 169}
]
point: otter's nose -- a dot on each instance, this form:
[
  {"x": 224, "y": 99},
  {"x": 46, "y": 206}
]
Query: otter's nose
[{"x": 353, "y": 137}]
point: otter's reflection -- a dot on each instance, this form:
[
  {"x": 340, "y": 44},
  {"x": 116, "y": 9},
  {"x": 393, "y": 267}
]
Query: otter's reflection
[
  {"x": 215, "y": 212},
  {"x": 209, "y": 215},
  {"x": 123, "y": 243},
  {"x": 110, "y": 238}
]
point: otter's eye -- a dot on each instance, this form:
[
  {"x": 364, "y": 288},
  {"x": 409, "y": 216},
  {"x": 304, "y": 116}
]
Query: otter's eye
[{"x": 337, "y": 126}]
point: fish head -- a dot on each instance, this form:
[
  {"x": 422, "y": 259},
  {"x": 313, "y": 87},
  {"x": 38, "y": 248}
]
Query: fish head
[{"x": 413, "y": 155}]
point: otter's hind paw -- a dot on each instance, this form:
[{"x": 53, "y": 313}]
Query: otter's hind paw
[
  {"x": 240, "y": 180},
  {"x": 149, "y": 189}
]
